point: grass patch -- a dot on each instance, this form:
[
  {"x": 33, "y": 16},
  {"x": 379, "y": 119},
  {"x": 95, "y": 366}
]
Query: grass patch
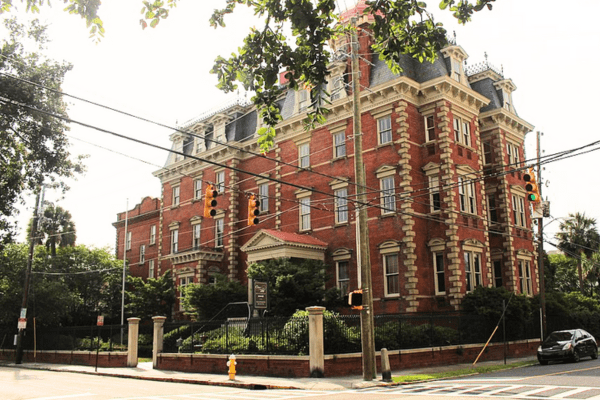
[
  {"x": 144, "y": 359},
  {"x": 461, "y": 372}
]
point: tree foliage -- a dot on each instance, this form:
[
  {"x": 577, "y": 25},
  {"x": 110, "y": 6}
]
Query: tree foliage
[
  {"x": 55, "y": 228},
  {"x": 69, "y": 289},
  {"x": 147, "y": 299},
  {"x": 34, "y": 148},
  {"x": 204, "y": 302},
  {"x": 579, "y": 239},
  {"x": 561, "y": 274},
  {"x": 293, "y": 284},
  {"x": 399, "y": 27},
  {"x": 578, "y": 235}
]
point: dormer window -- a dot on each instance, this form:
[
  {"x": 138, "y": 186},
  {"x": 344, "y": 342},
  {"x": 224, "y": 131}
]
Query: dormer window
[
  {"x": 456, "y": 56},
  {"x": 456, "y": 70},
  {"x": 504, "y": 89},
  {"x": 303, "y": 100},
  {"x": 337, "y": 88},
  {"x": 178, "y": 148},
  {"x": 506, "y": 100}
]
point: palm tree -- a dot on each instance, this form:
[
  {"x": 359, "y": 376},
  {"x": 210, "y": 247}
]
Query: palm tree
[
  {"x": 578, "y": 237},
  {"x": 55, "y": 227}
]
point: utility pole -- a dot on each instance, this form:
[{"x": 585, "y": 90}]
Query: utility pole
[
  {"x": 23, "y": 314},
  {"x": 362, "y": 238},
  {"x": 542, "y": 288},
  {"x": 124, "y": 269}
]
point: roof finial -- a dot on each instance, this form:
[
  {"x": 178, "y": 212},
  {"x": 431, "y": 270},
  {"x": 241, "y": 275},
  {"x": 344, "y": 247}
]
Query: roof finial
[
  {"x": 485, "y": 56},
  {"x": 454, "y": 34},
  {"x": 502, "y": 70}
]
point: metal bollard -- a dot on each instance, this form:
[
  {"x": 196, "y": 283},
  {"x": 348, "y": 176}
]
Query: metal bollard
[{"x": 231, "y": 364}]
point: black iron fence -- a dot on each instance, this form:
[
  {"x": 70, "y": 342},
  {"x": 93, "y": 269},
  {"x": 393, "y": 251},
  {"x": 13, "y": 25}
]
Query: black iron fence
[
  {"x": 238, "y": 335},
  {"x": 289, "y": 336},
  {"x": 103, "y": 338}
]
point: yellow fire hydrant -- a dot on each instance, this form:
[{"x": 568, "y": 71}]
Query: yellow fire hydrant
[{"x": 231, "y": 364}]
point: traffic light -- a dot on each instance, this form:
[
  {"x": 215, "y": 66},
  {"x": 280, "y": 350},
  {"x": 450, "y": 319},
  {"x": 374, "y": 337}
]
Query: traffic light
[
  {"x": 533, "y": 193},
  {"x": 355, "y": 299},
  {"x": 210, "y": 201},
  {"x": 253, "y": 211}
]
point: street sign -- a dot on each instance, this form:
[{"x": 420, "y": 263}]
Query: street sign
[
  {"x": 100, "y": 320},
  {"x": 22, "y": 323},
  {"x": 23, "y": 313},
  {"x": 261, "y": 295}
]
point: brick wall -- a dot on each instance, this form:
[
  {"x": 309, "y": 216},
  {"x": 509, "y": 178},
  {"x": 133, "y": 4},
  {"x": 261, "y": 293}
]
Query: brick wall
[{"x": 105, "y": 360}]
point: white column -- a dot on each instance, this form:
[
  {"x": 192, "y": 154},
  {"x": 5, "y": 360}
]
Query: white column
[
  {"x": 157, "y": 342},
  {"x": 316, "y": 348},
  {"x": 132, "y": 341}
]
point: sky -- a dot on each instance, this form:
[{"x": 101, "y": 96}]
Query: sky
[{"x": 162, "y": 75}]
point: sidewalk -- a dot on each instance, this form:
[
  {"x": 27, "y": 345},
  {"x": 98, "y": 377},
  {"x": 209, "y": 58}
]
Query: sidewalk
[{"x": 145, "y": 371}]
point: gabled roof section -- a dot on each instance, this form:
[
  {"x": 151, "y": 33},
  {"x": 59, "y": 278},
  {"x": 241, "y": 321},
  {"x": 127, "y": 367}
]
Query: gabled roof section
[{"x": 269, "y": 244}]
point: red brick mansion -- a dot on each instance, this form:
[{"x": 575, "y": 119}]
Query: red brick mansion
[{"x": 443, "y": 148}]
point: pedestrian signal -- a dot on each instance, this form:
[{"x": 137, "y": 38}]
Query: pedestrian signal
[{"x": 355, "y": 299}]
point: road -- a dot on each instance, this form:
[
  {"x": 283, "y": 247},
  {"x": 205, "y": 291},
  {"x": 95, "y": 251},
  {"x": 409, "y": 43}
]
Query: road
[{"x": 555, "y": 381}]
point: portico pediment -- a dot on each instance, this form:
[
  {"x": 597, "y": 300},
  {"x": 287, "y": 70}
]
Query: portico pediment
[{"x": 269, "y": 244}]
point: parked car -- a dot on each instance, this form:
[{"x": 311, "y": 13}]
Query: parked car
[{"x": 572, "y": 345}]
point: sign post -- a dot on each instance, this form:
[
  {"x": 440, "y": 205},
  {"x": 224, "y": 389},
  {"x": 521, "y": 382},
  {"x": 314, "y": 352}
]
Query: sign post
[{"x": 261, "y": 295}]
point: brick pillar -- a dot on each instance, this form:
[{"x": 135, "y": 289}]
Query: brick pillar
[
  {"x": 157, "y": 341},
  {"x": 132, "y": 342},
  {"x": 316, "y": 348}
]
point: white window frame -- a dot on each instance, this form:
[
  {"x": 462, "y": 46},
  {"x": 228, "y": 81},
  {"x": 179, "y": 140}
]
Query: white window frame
[
  {"x": 304, "y": 210},
  {"x": 434, "y": 193},
  {"x": 337, "y": 86},
  {"x": 150, "y": 268},
  {"x": 466, "y": 193},
  {"x": 339, "y": 144},
  {"x": 512, "y": 151},
  {"x": 128, "y": 241},
  {"x": 304, "y": 155},
  {"x": 142, "y": 254},
  {"x": 343, "y": 281},
  {"x": 456, "y": 66},
  {"x": 178, "y": 147},
  {"x": 439, "y": 272},
  {"x": 388, "y": 195},
  {"x": 384, "y": 129},
  {"x": 176, "y": 196},
  {"x": 392, "y": 278},
  {"x": 303, "y": 100},
  {"x": 462, "y": 131},
  {"x": 174, "y": 241},
  {"x": 497, "y": 263},
  {"x": 263, "y": 197},
  {"x": 473, "y": 266},
  {"x": 197, "y": 189},
  {"x": 525, "y": 284},
  {"x": 220, "y": 181},
  {"x": 219, "y": 231},
  {"x": 153, "y": 234},
  {"x": 518, "y": 206},
  {"x": 184, "y": 281},
  {"x": 429, "y": 122},
  {"x": 196, "y": 231},
  {"x": 341, "y": 205},
  {"x": 486, "y": 149}
]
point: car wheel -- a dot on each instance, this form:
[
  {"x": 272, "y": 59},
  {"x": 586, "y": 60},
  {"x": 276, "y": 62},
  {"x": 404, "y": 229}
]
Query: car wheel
[
  {"x": 595, "y": 353},
  {"x": 576, "y": 357}
]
